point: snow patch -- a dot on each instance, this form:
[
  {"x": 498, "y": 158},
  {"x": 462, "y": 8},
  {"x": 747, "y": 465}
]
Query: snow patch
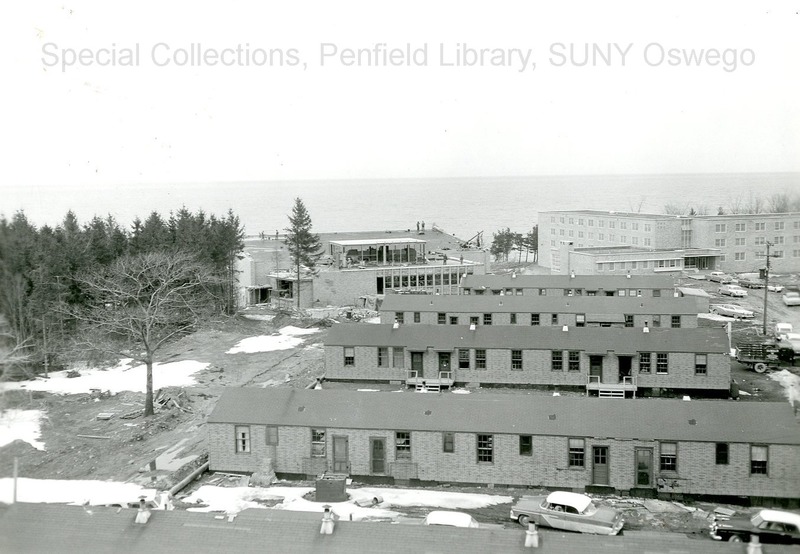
[
  {"x": 76, "y": 492},
  {"x": 376, "y": 319},
  {"x": 120, "y": 378},
  {"x": 265, "y": 343},
  {"x": 24, "y": 425},
  {"x": 297, "y": 331}
]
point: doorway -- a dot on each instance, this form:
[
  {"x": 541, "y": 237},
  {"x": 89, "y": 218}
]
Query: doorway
[
  {"x": 444, "y": 362},
  {"x": 379, "y": 285},
  {"x": 625, "y": 364},
  {"x": 596, "y": 367},
  {"x": 377, "y": 455},
  {"x": 341, "y": 457},
  {"x": 600, "y": 465},
  {"x": 644, "y": 467}
]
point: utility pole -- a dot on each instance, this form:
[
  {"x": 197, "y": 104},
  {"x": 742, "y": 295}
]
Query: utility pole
[{"x": 766, "y": 290}]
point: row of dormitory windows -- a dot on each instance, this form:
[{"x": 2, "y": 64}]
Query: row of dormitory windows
[
  {"x": 610, "y": 223},
  {"x": 425, "y": 279},
  {"x": 757, "y": 226},
  {"x": 442, "y": 318},
  {"x": 656, "y": 293},
  {"x": 668, "y": 455},
  {"x": 560, "y": 360},
  {"x": 646, "y": 241},
  {"x": 740, "y": 227}
]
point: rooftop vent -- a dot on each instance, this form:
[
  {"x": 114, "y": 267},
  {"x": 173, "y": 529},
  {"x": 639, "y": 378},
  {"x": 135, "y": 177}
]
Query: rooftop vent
[
  {"x": 571, "y": 274},
  {"x": 552, "y": 417},
  {"x": 513, "y": 274},
  {"x": 327, "y": 521},
  {"x": 144, "y": 512},
  {"x": 692, "y": 422},
  {"x": 565, "y": 328},
  {"x": 687, "y": 398},
  {"x": 646, "y": 329},
  {"x": 472, "y": 327},
  {"x": 396, "y": 325},
  {"x": 629, "y": 274}
]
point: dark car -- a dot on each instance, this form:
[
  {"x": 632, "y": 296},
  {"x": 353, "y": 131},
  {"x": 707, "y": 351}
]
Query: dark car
[
  {"x": 751, "y": 284},
  {"x": 770, "y": 526}
]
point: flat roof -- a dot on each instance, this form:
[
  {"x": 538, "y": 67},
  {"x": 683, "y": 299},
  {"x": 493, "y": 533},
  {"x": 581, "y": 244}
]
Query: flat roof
[
  {"x": 641, "y": 419},
  {"x": 373, "y": 242},
  {"x": 533, "y": 303},
  {"x": 590, "y": 282},
  {"x": 589, "y": 339}
]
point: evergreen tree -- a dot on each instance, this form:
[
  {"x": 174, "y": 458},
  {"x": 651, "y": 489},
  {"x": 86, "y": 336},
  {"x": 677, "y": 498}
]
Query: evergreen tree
[{"x": 304, "y": 246}]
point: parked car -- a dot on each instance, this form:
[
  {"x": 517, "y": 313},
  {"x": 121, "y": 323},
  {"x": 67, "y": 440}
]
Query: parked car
[
  {"x": 775, "y": 288},
  {"x": 568, "y": 511},
  {"x": 770, "y": 526},
  {"x": 751, "y": 284},
  {"x": 732, "y": 290},
  {"x": 730, "y": 310},
  {"x": 720, "y": 277},
  {"x": 791, "y": 298},
  {"x": 782, "y": 329},
  {"x": 451, "y": 519}
]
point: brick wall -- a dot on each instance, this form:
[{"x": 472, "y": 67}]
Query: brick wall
[{"x": 547, "y": 466}]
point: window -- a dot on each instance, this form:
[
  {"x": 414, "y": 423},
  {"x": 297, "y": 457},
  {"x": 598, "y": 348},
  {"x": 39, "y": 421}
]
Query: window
[
  {"x": 647, "y": 243},
  {"x": 574, "y": 360},
  {"x": 644, "y": 362},
  {"x": 542, "y": 292},
  {"x": 416, "y": 317},
  {"x": 383, "y": 356},
  {"x": 719, "y": 242},
  {"x": 557, "y": 357},
  {"x": 448, "y": 442},
  {"x": 676, "y": 322},
  {"x": 399, "y": 357},
  {"x": 759, "y": 460},
  {"x": 720, "y": 227},
  {"x": 591, "y": 222},
  {"x": 612, "y": 224},
  {"x": 577, "y": 453},
  {"x": 480, "y": 359},
  {"x": 628, "y": 320},
  {"x": 349, "y": 356},
  {"x": 656, "y": 293},
  {"x": 721, "y": 454},
  {"x": 534, "y": 319},
  {"x": 398, "y": 317},
  {"x": 657, "y": 321},
  {"x": 668, "y": 460},
  {"x": 622, "y": 292},
  {"x": 441, "y": 318},
  {"x": 580, "y": 319},
  {"x": 760, "y": 226},
  {"x": 740, "y": 227},
  {"x": 662, "y": 362},
  {"x": 272, "y": 435},
  {"x": 778, "y": 240},
  {"x": 513, "y": 319},
  {"x": 453, "y": 320},
  {"x": 700, "y": 364},
  {"x": 402, "y": 445},
  {"x": 242, "y": 433},
  {"x": 526, "y": 445},
  {"x": 740, "y": 241},
  {"x": 760, "y": 241},
  {"x": 487, "y": 319},
  {"x": 516, "y": 359},
  {"x": 647, "y": 227},
  {"x": 777, "y": 254},
  {"x": 739, "y": 256},
  {"x": 554, "y": 319},
  {"x": 318, "y": 443},
  {"x": 473, "y": 320},
  {"x": 486, "y": 448},
  {"x": 463, "y": 358},
  {"x": 779, "y": 225}
]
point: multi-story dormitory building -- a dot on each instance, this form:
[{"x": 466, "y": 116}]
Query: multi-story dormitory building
[
  {"x": 569, "y": 285},
  {"x": 642, "y": 447},
  {"x": 580, "y": 311},
  {"x": 569, "y": 240},
  {"x": 612, "y": 361}
]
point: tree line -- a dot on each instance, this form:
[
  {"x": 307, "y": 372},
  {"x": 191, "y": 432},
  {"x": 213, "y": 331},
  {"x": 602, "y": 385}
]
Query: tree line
[
  {"x": 778, "y": 203},
  {"x": 505, "y": 241},
  {"x": 51, "y": 277}
]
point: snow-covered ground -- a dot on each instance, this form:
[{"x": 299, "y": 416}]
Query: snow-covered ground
[
  {"x": 287, "y": 337},
  {"x": 790, "y": 383},
  {"x": 21, "y": 425},
  {"x": 235, "y": 499}
]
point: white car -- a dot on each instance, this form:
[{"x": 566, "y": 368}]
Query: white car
[
  {"x": 568, "y": 511},
  {"x": 451, "y": 519},
  {"x": 775, "y": 288},
  {"x": 732, "y": 290},
  {"x": 791, "y": 298},
  {"x": 783, "y": 329},
  {"x": 730, "y": 310}
]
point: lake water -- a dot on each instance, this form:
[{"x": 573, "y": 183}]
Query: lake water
[{"x": 462, "y": 206}]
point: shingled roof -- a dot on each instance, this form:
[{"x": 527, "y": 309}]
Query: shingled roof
[
  {"x": 548, "y": 304},
  {"x": 588, "y": 339},
  {"x": 589, "y": 282},
  {"x": 660, "y": 419}
]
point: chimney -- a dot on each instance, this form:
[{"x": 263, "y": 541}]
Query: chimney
[
  {"x": 144, "y": 512},
  {"x": 327, "y": 521},
  {"x": 531, "y": 536}
]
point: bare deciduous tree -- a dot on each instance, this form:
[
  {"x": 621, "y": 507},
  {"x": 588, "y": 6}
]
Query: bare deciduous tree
[{"x": 140, "y": 303}]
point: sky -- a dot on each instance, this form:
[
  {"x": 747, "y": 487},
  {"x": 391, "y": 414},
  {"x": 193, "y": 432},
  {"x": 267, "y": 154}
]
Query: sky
[{"x": 562, "y": 88}]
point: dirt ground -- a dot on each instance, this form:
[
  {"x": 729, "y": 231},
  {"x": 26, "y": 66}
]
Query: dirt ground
[{"x": 122, "y": 448}]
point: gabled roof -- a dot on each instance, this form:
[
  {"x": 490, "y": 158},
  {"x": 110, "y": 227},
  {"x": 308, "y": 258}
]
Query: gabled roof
[
  {"x": 416, "y": 336},
  {"x": 649, "y": 419},
  {"x": 534, "y": 303},
  {"x": 590, "y": 282}
]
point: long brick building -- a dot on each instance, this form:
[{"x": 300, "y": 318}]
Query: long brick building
[{"x": 646, "y": 447}]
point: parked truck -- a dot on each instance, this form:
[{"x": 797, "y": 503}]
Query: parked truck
[{"x": 763, "y": 355}]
